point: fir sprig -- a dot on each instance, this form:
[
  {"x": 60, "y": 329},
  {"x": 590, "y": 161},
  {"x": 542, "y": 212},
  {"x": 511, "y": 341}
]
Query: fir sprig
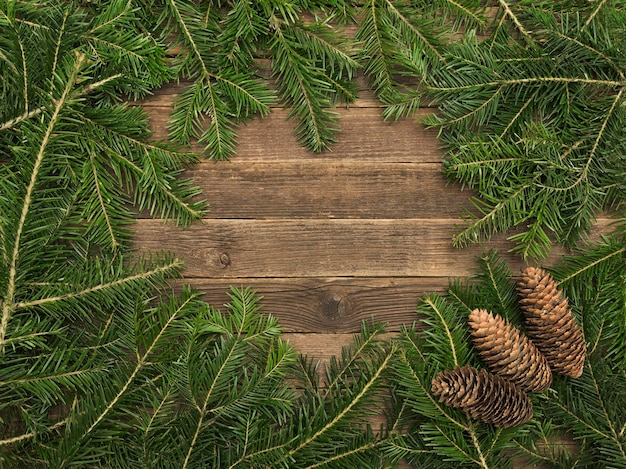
[
  {"x": 530, "y": 107},
  {"x": 589, "y": 408},
  {"x": 593, "y": 278},
  {"x": 218, "y": 47},
  {"x": 72, "y": 159},
  {"x": 402, "y": 41},
  {"x": 533, "y": 121},
  {"x": 312, "y": 71},
  {"x": 330, "y": 425},
  {"x": 443, "y": 433},
  {"x": 223, "y": 92}
]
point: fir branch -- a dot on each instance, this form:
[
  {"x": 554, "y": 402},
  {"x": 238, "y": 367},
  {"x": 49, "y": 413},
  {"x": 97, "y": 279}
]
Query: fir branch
[
  {"x": 52, "y": 377},
  {"x": 592, "y": 49},
  {"x": 160, "y": 270},
  {"x": 476, "y": 17},
  {"x": 446, "y": 331},
  {"x": 616, "y": 250},
  {"x": 141, "y": 362},
  {"x": 6, "y": 59},
  {"x": 307, "y": 79},
  {"x": 415, "y": 31},
  {"x": 29, "y": 435},
  {"x": 251, "y": 456},
  {"x": 524, "y": 81},
  {"x": 354, "y": 402},
  {"x": 590, "y": 18},
  {"x": 25, "y": 74},
  {"x": 75, "y": 95},
  {"x": 27, "y": 115},
  {"x": 508, "y": 12},
  {"x": 225, "y": 95},
  {"x": 103, "y": 206},
  {"x": 7, "y": 304},
  {"x": 202, "y": 409},
  {"x": 549, "y": 88},
  {"x": 488, "y": 288},
  {"x": 338, "y": 457},
  {"x": 599, "y": 426},
  {"x": 442, "y": 321},
  {"x": 154, "y": 188},
  {"x": 419, "y": 383},
  {"x": 372, "y": 339},
  {"x": 379, "y": 67}
]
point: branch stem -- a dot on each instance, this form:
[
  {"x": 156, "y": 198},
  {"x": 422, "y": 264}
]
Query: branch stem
[
  {"x": 349, "y": 407},
  {"x": 520, "y": 27},
  {"x": 26, "y": 436},
  {"x": 8, "y": 306},
  {"x": 144, "y": 275},
  {"x": 35, "y": 112},
  {"x": 521, "y": 81}
]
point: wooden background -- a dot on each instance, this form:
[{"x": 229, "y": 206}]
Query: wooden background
[{"x": 329, "y": 240}]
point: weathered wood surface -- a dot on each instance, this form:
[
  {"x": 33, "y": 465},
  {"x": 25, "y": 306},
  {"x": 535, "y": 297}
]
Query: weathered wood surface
[
  {"x": 226, "y": 248},
  {"x": 338, "y": 188},
  {"x": 329, "y": 240},
  {"x": 330, "y": 305}
]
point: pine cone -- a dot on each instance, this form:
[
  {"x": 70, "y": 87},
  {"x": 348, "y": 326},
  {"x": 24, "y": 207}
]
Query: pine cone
[
  {"x": 550, "y": 323},
  {"x": 483, "y": 395},
  {"x": 508, "y": 353}
]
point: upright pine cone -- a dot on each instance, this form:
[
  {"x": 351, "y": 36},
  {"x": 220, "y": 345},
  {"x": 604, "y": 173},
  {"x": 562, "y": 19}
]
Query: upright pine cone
[
  {"x": 508, "y": 353},
  {"x": 485, "y": 396},
  {"x": 550, "y": 323}
]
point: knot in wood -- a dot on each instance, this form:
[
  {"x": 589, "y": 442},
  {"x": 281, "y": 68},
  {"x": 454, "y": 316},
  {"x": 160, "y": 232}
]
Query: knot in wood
[
  {"x": 224, "y": 260},
  {"x": 335, "y": 306}
]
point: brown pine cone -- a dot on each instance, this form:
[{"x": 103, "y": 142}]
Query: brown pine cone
[
  {"x": 508, "y": 353},
  {"x": 483, "y": 395},
  {"x": 550, "y": 322}
]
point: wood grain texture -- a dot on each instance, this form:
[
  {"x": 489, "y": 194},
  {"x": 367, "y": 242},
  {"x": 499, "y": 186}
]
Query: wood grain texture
[
  {"x": 364, "y": 136},
  {"x": 329, "y": 305},
  {"x": 315, "y": 248},
  {"x": 327, "y": 189}
]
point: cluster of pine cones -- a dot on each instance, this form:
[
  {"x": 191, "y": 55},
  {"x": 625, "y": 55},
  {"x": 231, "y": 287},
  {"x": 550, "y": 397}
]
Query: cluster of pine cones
[{"x": 520, "y": 364}]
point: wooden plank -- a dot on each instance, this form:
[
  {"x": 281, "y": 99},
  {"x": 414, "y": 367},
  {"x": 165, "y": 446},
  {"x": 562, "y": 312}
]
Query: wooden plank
[
  {"x": 327, "y": 189},
  {"x": 315, "y": 248},
  {"x": 329, "y": 305},
  {"x": 364, "y": 136}
]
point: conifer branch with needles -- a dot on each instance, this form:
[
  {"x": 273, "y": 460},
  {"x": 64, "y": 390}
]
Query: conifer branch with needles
[
  {"x": 586, "y": 407},
  {"x": 556, "y": 109},
  {"x": 220, "y": 45}
]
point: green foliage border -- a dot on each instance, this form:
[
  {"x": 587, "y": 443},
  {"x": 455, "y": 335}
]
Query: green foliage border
[{"x": 102, "y": 366}]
